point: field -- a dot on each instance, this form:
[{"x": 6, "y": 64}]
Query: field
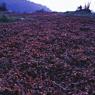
[{"x": 47, "y": 54}]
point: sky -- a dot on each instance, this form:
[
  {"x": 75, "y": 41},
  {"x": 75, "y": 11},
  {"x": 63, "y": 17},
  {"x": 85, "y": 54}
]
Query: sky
[{"x": 65, "y": 5}]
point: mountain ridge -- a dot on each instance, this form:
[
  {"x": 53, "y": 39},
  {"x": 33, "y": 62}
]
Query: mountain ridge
[{"x": 23, "y": 6}]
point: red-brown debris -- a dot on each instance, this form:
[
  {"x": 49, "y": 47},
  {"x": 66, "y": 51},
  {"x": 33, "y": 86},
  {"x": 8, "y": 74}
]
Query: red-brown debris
[{"x": 48, "y": 54}]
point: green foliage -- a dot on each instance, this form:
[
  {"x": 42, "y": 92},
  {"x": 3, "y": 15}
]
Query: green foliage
[{"x": 4, "y": 19}]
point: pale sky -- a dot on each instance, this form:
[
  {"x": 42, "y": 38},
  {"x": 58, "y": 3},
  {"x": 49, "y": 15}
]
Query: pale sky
[{"x": 65, "y": 5}]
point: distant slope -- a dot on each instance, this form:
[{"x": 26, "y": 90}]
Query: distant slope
[{"x": 21, "y": 6}]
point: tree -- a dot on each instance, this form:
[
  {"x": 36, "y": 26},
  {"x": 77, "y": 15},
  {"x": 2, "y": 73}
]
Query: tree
[
  {"x": 86, "y": 9},
  {"x": 87, "y": 6},
  {"x": 79, "y": 8}
]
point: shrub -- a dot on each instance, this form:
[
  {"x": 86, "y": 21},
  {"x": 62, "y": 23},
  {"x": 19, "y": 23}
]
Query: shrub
[{"x": 4, "y": 18}]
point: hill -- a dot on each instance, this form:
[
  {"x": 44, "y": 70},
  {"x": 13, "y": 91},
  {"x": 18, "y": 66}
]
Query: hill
[
  {"x": 47, "y": 54},
  {"x": 21, "y": 6}
]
